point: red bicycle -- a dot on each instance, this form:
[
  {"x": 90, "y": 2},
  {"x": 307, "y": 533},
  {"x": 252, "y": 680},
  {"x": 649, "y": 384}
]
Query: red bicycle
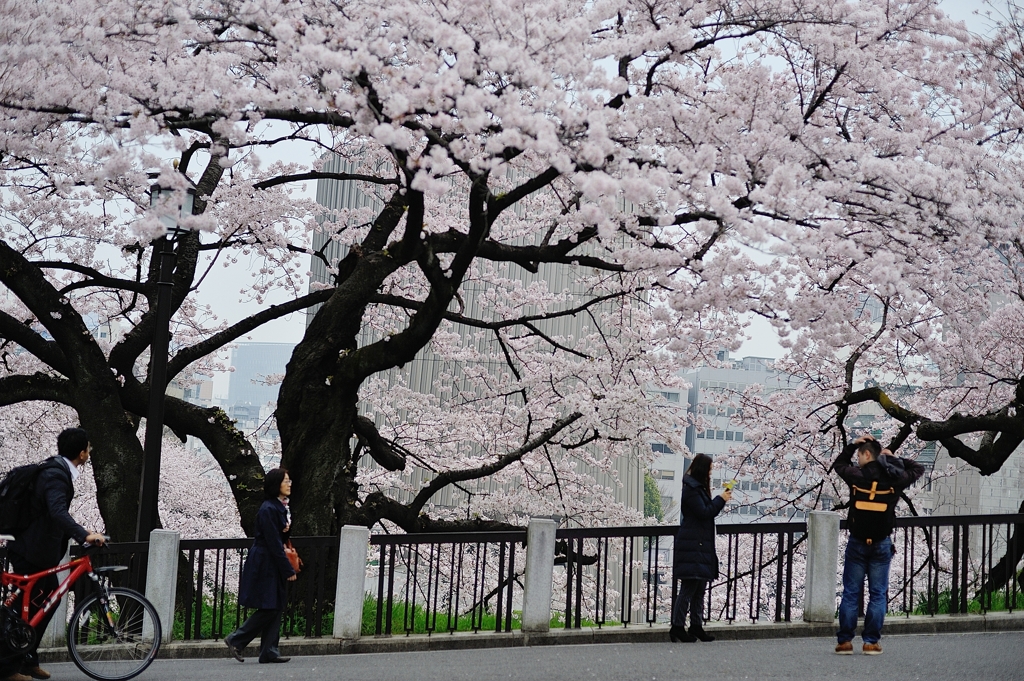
[{"x": 113, "y": 635}]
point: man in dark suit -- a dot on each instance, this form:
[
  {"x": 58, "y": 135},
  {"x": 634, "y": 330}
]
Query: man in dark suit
[{"x": 42, "y": 544}]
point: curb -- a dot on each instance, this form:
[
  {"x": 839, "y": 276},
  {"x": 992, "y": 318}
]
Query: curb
[{"x": 923, "y": 624}]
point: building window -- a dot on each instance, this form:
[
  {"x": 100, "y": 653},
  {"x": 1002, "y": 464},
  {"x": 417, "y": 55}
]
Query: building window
[
  {"x": 719, "y": 434},
  {"x": 700, "y": 434},
  {"x": 728, "y": 435},
  {"x": 670, "y": 397},
  {"x": 663, "y": 474},
  {"x": 662, "y": 448},
  {"x": 739, "y": 436}
]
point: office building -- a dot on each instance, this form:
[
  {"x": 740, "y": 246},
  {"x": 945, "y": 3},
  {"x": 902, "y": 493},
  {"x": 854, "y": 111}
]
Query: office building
[{"x": 709, "y": 400}]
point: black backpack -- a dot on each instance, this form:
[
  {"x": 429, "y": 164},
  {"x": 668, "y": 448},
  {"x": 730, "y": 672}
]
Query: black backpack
[
  {"x": 16, "y": 497},
  {"x": 874, "y": 509}
]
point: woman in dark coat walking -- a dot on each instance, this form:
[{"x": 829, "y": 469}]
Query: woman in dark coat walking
[
  {"x": 265, "y": 572},
  {"x": 695, "y": 561}
]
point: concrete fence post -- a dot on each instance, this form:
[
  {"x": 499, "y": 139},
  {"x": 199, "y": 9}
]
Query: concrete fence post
[
  {"x": 55, "y": 635},
  {"x": 348, "y": 598},
  {"x": 162, "y": 578},
  {"x": 540, "y": 560},
  {"x": 822, "y": 565}
]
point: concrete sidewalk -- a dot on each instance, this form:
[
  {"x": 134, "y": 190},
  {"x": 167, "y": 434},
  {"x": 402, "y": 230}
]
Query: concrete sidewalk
[
  {"x": 941, "y": 624},
  {"x": 988, "y": 656}
]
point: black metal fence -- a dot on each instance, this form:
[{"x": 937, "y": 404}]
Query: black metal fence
[
  {"x": 758, "y": 571},
  {"x": 623, "y": 575},
  {"x": 209, "y": 606},
  {"x": 209, "y": 574},
  {"x": 432, "y": 583},
  {"x": 956, "y": 564}
]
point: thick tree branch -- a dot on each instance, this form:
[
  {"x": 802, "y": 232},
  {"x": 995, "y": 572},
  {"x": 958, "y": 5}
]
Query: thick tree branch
[
  {"x": 56, "y": 314},
  {"x": 24, "y": 335},
  {"x": 525, "y": 189},
  {"x": 37, "y": 387},
  {"x": 398, "y": 301},
  {"x": 446, "y": 478},
  {"x": 382, "y": 451},
  {"x": 396, "y": 350},
  {"x": 302, "y": 177},
  {"x": 528, "y": 257},
  {"x": 234, "y": 454},
  {"x": 95, "y": 277},
  {"x": 1001, "y": 432},
  {"x": 196, "y": 352}
]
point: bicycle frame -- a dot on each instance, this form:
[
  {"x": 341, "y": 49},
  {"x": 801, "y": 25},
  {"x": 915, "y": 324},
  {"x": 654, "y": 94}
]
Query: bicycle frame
[{"x": 25, "y": 583}]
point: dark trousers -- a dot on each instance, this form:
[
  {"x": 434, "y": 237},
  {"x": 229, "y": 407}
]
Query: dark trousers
[
  {"x": 264, "y": 623},
  {"x": 690, "y": 599},
  {"x": 43, "y": 588}
]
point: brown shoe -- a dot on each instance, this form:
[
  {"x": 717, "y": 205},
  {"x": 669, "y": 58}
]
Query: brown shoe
[
  {"x": 36, "y": 672},
  {"x": 844, "y": 648},
  {"x": 18, "y": 677},
  {"x": 872, "y": 649}
]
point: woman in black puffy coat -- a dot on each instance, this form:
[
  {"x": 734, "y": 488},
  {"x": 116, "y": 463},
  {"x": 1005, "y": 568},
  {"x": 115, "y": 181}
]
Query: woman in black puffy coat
[{"x": 695, "y": 561}]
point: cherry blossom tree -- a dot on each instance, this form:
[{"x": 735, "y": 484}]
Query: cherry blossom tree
[
  {"x": 686, "y": 163},
  {"x": 28, "y": 434}
]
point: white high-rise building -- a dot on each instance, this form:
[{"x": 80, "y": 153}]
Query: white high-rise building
[
  {"x": 704, "y": 399},
  {"x": 971, "y": 493}
]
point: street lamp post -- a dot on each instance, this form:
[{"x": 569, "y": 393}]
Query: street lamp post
[{"x": 160, "y": 199}]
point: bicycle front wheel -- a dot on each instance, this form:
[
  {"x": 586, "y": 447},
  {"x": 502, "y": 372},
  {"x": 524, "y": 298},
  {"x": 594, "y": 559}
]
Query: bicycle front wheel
[{"x": 116, "y": 642}]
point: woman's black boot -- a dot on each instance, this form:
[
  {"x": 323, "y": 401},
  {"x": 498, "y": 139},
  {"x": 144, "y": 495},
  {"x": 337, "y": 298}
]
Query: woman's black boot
[
  {"x": 679, "y": 635},
  {"x": 700, "y": 634}
]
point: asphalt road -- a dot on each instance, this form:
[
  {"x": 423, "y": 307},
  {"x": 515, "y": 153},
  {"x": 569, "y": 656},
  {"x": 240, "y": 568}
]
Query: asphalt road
[{"x": 972, "y": 657}]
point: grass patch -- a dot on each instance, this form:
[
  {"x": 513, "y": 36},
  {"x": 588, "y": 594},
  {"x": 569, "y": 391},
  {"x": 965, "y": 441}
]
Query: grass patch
[
  {"x": 292, "y": 626},
  {"x": 998, "y": 603},
  {"x": 295, "y": 626},
  {"x": 417, "y": 618}
]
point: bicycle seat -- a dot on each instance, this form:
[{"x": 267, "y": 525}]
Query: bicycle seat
[{"x": 110, "y": 568}]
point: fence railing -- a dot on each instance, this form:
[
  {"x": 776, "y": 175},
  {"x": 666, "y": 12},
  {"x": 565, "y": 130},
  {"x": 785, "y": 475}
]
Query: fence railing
[
  {"x": 956, "y": 564},
  {"x": 433, "y": 583},
  {"x": 437, "y": 583},
  {"x": 760, "y": 562},
  {"x": 209, "y": 604},
  {"x": 630, "y": 568},
  {"x": 624, "y": 564}
]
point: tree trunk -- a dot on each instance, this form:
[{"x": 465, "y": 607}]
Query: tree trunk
[
  {"x": 1006, "y": 569},
  {"x": 117, "y": 467}
]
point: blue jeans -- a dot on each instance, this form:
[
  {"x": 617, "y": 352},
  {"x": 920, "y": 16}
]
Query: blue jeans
[{"x": 873, "y": 562}]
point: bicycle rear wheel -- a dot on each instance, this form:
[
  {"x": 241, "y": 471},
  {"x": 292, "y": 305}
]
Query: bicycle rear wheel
[{"x": 117, "y": 648}]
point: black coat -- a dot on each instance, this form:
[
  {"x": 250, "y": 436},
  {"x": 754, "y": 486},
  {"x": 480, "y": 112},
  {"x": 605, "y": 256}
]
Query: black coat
[
  {"x": 267, "y": 569},
  {"x": 45, "y": 540},
  {"x": 694, "y": 549},
  {"x": 888, "y": 472}
]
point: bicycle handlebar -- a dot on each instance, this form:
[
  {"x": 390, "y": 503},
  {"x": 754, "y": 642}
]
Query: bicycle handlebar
[{"x": 90, "y": 545}]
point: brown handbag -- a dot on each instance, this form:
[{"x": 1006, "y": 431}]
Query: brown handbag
[{"x": 293, "y": 556}]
